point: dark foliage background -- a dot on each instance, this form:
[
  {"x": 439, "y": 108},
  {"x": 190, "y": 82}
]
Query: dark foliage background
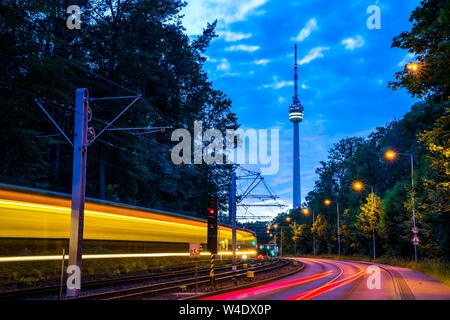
[{"x": 123, "y": 47}]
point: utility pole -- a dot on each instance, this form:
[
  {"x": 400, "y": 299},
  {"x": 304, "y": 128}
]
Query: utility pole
[
  {"x": 78, "y": 185},
  {"x": 83, "y": 138},
  {"x": 232, "y": 214}
]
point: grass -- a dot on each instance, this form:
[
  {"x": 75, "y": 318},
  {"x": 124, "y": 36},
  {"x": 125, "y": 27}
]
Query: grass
[{"x": 435, "y": 268}]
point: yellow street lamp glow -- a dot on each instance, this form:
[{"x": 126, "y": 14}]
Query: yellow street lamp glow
[
  {"x": 390, "y": 154},
  {"x": 358, "y": 185},
  {"x": 413, "y": 66},
  {"x": 305, "y": 211},
  {"x": 267, "y": 231},
  {"x": 275, "y": 226},
  {"x": 327, "y": 202},
  {"x": 288, "y": 219},
  {"x": 271, "y": 235}
]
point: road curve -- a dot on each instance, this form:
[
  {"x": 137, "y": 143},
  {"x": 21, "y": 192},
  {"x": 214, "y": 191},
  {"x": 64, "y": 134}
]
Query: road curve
[{"x": 329, "y": 279}]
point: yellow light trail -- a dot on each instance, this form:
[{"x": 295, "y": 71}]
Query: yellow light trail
[
  {"x": 117, "y": 255},
  {"x": 36, "y": 215}
]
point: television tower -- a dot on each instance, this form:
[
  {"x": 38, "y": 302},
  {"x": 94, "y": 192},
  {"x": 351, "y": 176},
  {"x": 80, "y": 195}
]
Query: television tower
[{"x": 296, "y": 116}]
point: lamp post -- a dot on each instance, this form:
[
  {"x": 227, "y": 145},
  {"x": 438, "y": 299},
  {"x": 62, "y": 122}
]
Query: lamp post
[
  {"x": 276, "y": 226},
  {"x": 358, "y": 186},
  {"x": 390, "y": 155},
  {"x": 327, "y": 203},
  {"x": 306, "y": 212}
]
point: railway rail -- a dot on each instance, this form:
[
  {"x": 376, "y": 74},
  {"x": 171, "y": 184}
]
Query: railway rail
[
  {"x": 175, "y": 285},
  {"x": 98, "y": 284}
]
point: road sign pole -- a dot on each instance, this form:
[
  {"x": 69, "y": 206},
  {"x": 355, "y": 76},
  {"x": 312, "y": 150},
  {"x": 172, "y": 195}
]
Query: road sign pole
[
  {"x": 196, "y": 276},
  {"x": 78, "y": 184}
]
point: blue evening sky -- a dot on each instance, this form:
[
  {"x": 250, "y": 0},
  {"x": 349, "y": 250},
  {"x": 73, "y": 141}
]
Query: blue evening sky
[{"x": 344, "y": 68}]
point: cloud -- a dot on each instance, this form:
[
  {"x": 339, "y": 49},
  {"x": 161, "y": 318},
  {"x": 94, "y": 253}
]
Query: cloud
[
  {"x": 278, "y": 84},
  {"x": 224, "y": 65},
  {"x": 234, "y": 36},
  {"x": 352, "y": 43},
  {"x": 407, "y": 59},
  {"x": 208, "y": 58},
  {"x": 198, "y": 13},
  {"x": 242, "y": 47},
  {"x": 314, "y": 53},
  {"x": 310, "y": 26},
  {"x": 261, "y": 61}
]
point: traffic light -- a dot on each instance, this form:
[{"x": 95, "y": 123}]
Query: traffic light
[{"x": 212, "y": 211}]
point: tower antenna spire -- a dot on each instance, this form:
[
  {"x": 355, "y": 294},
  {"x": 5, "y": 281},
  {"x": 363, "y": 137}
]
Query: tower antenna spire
[{"x": 295, "y": 98}]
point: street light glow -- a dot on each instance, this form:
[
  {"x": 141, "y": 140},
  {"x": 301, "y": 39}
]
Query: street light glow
[
  {"x": 305, "y": 211},
  {"x": 390, "y": 154},
  {"x": 327, "y": 202},
  {"x": 288, "y": 219},
  {"x": 358, "y": 185},
  {"x": 413, "y": 66}
]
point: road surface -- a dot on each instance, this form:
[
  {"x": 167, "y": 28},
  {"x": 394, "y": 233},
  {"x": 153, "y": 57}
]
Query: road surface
[{"x": 327, "y": 279}]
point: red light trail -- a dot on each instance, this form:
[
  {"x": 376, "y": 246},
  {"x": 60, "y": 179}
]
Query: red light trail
[{"x": 265, "y": 288}]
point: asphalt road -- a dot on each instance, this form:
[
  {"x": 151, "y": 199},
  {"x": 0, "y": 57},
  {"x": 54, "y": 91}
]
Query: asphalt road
[{"x": 327, "y": 279}]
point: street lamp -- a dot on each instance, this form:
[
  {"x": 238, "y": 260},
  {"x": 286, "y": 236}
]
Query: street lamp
[
  {"x": 306, "y": 212},
  {"x": 412, "y": 66},
  {"x": 288, "y": 219},
  {"x": 390, "y": 155},
  {"x": 358, "y": 185},
  {"x": 327, "y": 203}
]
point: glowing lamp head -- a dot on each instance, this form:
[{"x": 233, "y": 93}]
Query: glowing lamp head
[
  {"x": 275, "y": 226},
  {"x": 413, "y": 66},
  {"x": 210, "y": 211},
  {"x": 390, "y": 154},
  {"x": 288, "y": 219},
  {"x": 327, "y": 202},
  {"x": 358, "y": 185},
  {"x": 305, "y": 211}
]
